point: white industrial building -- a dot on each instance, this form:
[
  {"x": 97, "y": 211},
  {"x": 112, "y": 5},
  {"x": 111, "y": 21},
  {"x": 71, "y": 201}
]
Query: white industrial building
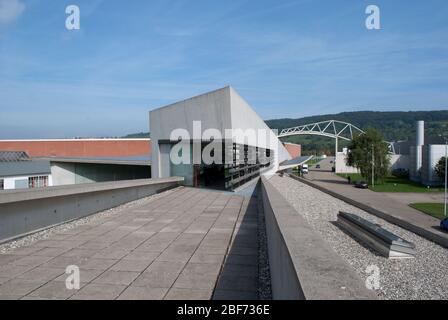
[
  {"x": 424, "y": 158},
  {"x": 222, "y": 112},
  {"x": 19, "y": 171}
]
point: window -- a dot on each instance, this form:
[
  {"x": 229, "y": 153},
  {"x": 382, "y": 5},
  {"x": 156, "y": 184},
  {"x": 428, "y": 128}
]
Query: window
[
  {"x": 38, "y": 181},
  {"x": 2, "y": 185}
]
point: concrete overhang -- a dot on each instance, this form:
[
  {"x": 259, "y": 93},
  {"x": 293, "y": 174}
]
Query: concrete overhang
[
  {"x": 99, "y": 161},
  {"x": 289, "y": 164}
]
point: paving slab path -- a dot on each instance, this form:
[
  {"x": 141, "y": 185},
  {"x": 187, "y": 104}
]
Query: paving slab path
[{"x": 174, "y": 246}]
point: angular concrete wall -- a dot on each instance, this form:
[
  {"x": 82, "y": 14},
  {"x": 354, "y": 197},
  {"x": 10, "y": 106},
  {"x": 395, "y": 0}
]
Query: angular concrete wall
[
  {"x": 302, "y": 264},
  {"x": 27, "y": 211},
  {"x": 220, "y": 109}
]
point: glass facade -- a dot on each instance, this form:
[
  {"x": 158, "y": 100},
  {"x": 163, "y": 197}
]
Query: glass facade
[{"x": 239, "y": 164}]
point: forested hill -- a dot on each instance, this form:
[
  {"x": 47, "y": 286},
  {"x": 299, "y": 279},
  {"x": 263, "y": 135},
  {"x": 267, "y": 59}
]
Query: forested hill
[{"x": 394, "y": 125}]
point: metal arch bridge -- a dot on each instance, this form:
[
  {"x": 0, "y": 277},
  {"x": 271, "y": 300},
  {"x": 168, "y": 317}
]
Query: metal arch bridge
[{"x": 331, "y": 128}]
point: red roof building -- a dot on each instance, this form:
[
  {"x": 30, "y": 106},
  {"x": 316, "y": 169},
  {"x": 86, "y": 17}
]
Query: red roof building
[{"x": 82, "y": 148}]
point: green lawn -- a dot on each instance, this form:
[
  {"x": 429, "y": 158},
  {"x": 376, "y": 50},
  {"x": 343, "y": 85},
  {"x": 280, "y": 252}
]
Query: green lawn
[
  {"x": 433, "y": 209},
  {"x": 393, "y": 184},
  {"x": 313, "y": 161}
]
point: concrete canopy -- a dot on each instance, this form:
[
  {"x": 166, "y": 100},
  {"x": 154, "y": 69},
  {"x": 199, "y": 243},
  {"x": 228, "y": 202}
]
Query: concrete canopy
[{"x": 222, "y": 109}]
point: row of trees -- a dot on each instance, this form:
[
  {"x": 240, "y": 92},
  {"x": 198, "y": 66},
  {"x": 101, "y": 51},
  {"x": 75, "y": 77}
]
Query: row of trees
[
  {"x": 369, "y": 153},
  {"x": 440, "y": 168}
]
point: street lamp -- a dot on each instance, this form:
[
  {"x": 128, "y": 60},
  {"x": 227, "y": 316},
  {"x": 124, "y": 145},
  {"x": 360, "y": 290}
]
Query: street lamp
[
  {"x": 446, "y": 173},
  {"x": 373, "y": 168},
  {"x": 446, "y": 167}
]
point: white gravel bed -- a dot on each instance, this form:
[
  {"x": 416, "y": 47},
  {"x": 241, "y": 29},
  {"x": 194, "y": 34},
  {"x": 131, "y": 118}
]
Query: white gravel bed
[
  {"x": 424, "y": 277},
  {"x": 94, "y": 219}
]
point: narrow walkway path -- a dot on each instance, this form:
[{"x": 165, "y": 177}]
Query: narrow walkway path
[{"x": 170, "y": 247}]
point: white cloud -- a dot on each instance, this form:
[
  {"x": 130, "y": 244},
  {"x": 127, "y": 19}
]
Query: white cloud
[{"x": 10, "y": 10}]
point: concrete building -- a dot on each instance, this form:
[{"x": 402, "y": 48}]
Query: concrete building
[
  {"x": 226, "y": 123},
  {"x": 19, "y": 171},
  {"x": 74, "y": 161},
  {"x": 66, "y": 171},
  {"x": 80, "y": 148},
  {"x": 424, "y": 158}
]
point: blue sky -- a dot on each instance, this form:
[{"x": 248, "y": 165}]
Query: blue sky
[{"x": 286, "y": 58}]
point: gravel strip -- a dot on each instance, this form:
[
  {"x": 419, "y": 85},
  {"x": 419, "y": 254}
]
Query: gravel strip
[
  {"x": 424, "y": 277},
  {"x": 94, "y": 219},
  {"x": 264, "y": 273}
]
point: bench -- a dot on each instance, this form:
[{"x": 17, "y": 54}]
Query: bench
[{"x": 384, "y": 242}]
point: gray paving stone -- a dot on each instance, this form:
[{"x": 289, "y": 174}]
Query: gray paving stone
[
  {"x": 50, "y": 252},
  {"x": 85, "y": 275},
  {"x": 188, "y": 294},
  {"x": 7, "y": 258},
  {"x": 159, "y": 274},
  {"x": 52, "y": 290},
  {"x": 19, "y": 287},
  {"x": 33, "y": 261},
  {"x": 111, "y": 253},
  {"x": 94, "y": 291},
  {"x": 25, "y": 251},
  {"x": 142, "y": 255},
  {"x": 131, "y": 265},
  {"x": 177, "y": 242},
  {"x": 116, "y": 277},
  {"x": 201, "y": 257},
  {"x": 11, "y": 271},
  {"x": 42, "y": 274},
  {"x": 63, "y": 262},
  {"x": 79, "y": 253},
  {"x": 198, "y": 276},
  {"x": 94, "y": 244},
  {"x": 97, "y": 264},
  {"x": 143, "y": 293},
  {"x": 177, "y": 253}
]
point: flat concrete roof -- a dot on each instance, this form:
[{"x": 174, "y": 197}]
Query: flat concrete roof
[
  {"x": 15, "y": 195},
  {"x": 172, "y": 246},
  {"x": 119, "y": 161}
]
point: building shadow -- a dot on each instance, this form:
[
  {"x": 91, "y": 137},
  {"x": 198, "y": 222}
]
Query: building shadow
[{"x": 245, "y": 272}]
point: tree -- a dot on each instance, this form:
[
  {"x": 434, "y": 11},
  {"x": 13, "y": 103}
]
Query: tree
[
  {"x": 440, "y": 168},
  {"x": 360, "y": 155}
]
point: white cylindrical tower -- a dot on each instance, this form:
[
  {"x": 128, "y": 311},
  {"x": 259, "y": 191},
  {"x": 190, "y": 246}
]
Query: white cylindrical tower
[
  {"x": 420, "y": 138},
  {"x": 419, "y": 143}
]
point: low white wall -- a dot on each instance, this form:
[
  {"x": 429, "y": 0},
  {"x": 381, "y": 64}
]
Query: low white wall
[
  {"x": 27, "y": 211},
  {"x": 63, "y": 173},
  {"x": 397, "y": 161},
  {"x": 341, "y": 167}
]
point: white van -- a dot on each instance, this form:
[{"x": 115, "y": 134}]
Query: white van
[{"x": 304, "y": 168}]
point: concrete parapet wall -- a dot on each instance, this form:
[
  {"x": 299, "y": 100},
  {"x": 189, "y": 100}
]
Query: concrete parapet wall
[
  {"x": 302, "y": 264},
  {"x": 27, "y": 211}
]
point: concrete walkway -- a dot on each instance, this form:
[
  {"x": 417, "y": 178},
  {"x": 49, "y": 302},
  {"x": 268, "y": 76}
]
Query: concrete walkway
[
  {"x": 171, "y": 247},
  {"x": 416, "y": 197},
  {"x": 379, "y": 204}
]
